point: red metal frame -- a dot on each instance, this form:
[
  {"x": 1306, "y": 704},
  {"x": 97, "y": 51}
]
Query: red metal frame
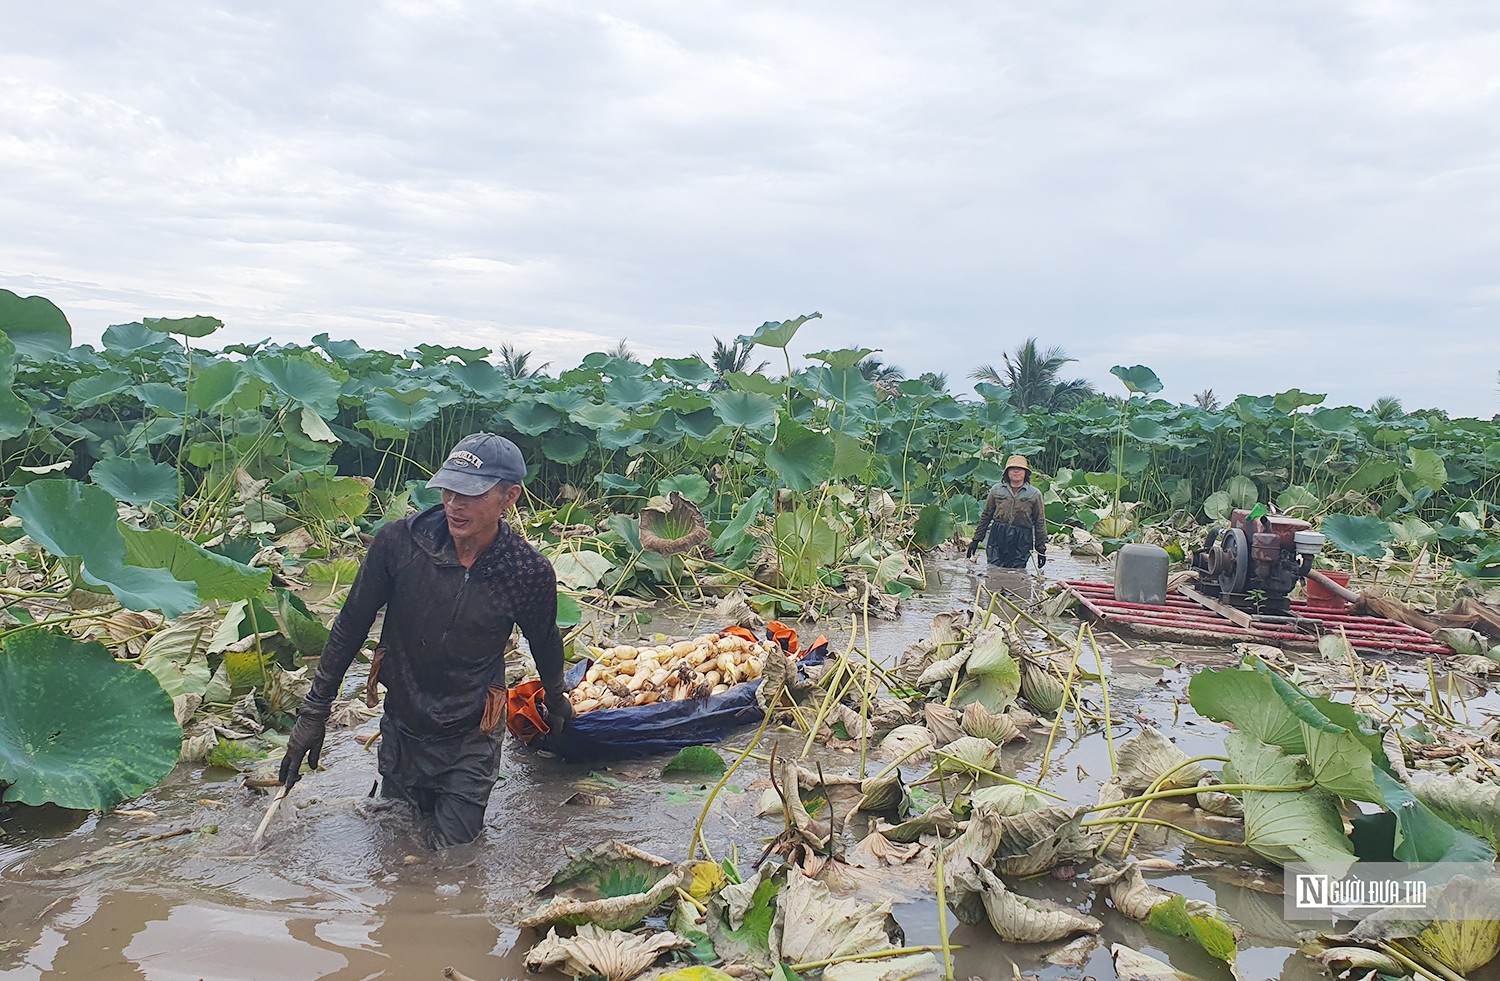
[{"x": 1180, "y": 613}]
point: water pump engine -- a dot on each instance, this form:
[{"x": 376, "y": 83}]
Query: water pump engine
[{"x": 1255, "y": 563}]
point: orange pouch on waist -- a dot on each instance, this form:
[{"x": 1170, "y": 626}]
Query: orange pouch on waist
[{"x": 494, "y": 709}]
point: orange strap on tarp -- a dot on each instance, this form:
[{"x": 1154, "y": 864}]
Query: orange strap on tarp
[
  {"x": 786, "y": 637},
  {"x": 524, "y": 702}
]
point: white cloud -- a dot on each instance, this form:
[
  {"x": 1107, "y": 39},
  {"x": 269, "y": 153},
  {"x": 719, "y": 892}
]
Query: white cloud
[{"x": 1249, "y": 197}]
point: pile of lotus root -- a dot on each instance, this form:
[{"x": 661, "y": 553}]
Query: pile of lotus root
[{"x": 625, "y": 676}]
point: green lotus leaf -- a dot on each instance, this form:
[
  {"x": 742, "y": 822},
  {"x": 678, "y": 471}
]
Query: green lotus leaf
[
  {"x": 137, "y": 481},
  {"x": 566, "y": 401},
  {"x": 565, "y": 448},
  {"x": 76, "y": 520},
  {"x": 599, "y": 417},
  {"x": 615, "y": 482},
  {"x": 1427, "y": 470},
  {"x": 531, "y": 418},
  {"x": 1363, "y": 535},
  {"x": 964, "y": 508},
  {"x": 35, "y": 325},
  {"x": 133, "y": 339},
  {"x": 406, "y": 411},
  {"x": 695, "y": 761},
  {"x": 580, "y": 568},
  {"x": 301, "y": 380},
  {"x": 689, "y": 371},
  {"x": 481, "y": 379},
  {"x": 734, "y": 532},
  {"x": 1413, "y": 832},
  {"x": 304, "y": 628},
  {"x": 777, "y": 333},
  {"x": 630, "y": 392},
  {"x": 843, "y": 359},
  {"x": 1003, "y": 419},
  {"x": 77, "y": 728},
  {"x": 1242, "y": 491},
  {"x": 993, "y": 393},
  {"x": 15, "y": 414},
  {"x": 1339, "y": 421},
  {"x": 186, "y": 326},
  {"x": 92, "y": 390},
  {"x": 217, "y": 577},
  {"x": 947, "y": 410},
  {"x": 1246, "y": 700},
  {"x": 691, "y": 485},
  {"x": 934, "y": 527},
  {"x": 226, "y": 385},
  {"x": 1138, "y": 379},
  {"x": 802, "y": 458},
  {"x": 1282, "y": 826},
  {"x": 1297, "y": 497},
  {"x": 1145, "y": 429},
  {"x": 431, "y": 354},
  {"x": 747, "y": 410},
  {"x": 1293, "y": 399}
]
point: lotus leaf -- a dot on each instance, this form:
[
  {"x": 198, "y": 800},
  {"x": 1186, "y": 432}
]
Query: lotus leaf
[
  {"x": 902, "y": 968},
  {"x": 1146, "y": 757},
  {"x": 1203, "y": 927},
  {"x": 626, "y": 883},
  {"x": 1042, "y": 689},
  {"x": 216, "y": 577},
  {"x": 942, "y": 722},
  {"x": 811, "y": 925},
  {"x": 938, "y": 819},
  {"x": 35, "y": 325},
  {"x": 1129, "y": 891},
  {"x": 776, "y": 333},
  {"x": 876, "y": 851},
  {"x": 801, "y": 457},
  {"x": 599, "y": 953},
  {"x": 968, "y": 753},
  {"x": 1473, "y": 806},
  {"x": 944, "y": 669},
  {"x": 301, "y": 380},
  {"x": 972, "y": 849},
  {"x": 997, "y": 727},
  {"x": 674, "y": 529},
  {"x": 580, "y": 568},
  {"x": 1022, "y": 920},
  {"x": 1291, "y": 826},
  {"x": 1364, "y": 535},
  {"x": 1007, "y": 800},
  {"x": 934, "y": 526},
  {"x": 1132, "y": 965},
  {"x": 903, "y": 738},
  {"x": 1042, "y": 839},
  {"x": 63, "y": 708},
  {"x": 15, "y": 414}
]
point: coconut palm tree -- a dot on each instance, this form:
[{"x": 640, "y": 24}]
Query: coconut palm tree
[
  {"x": 1206, "y": 399},
  {"x": 515, "y": 364},
  {"x": 734, "y": 356},
  {"x": 621, "y": 351},
  {"x": 937, "y": 379},
  {"x": 878, "y": 372},
  {"x": 1387, "y": 408},
  {"x": 1031, "y": 376}
]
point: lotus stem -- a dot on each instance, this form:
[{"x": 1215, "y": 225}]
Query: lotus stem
[
  {"x": 1057, "y": 719},
  {"x": 1155, "y": 786},
  {"x": 724, "y": 779},
  {"x": 864, "y": 703},
  {"x": 1436, "y": 972},
  {"x": 1222, "y": 788},
  {"x": 687, "y": 897},
  {"x": 1165, "y": 824},
  {"x": 829, "y": 699},
  {"x": 1034, "y": 622},
  {"x": 891, "y": 767},
  {"x": 942, "y": 903},
  {"x": 998, "y": 776},
  {"x": 873, "y": 956},
  {"x": 1109, "y": 732}
]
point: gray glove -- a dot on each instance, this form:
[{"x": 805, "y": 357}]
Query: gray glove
[{"x": 306, "y": 740}]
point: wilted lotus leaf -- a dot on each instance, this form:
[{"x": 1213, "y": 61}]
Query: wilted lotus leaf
[
  {"x": 942, "y": 722},
  {"x": 884, "y": 793},
  {"x": 776, "y": 675},
  {"x": 1132, "y": 965},
  {"x": 888, "y": 713},
  {"x": 1042, "y": 689},
  {"x": 997, "y": 727},
  {"x": 938, "y": 820},
  {"x": 1129, "y": 890},
  {"x": 1472, "y": 806},
  {"x": 1470, "y": 937},
  {"x": 903, "y": 738},
  {"x": 974, "y": 848},
  {"x": 886, "y": 969},
  {"x": 876, "y": 851},
  {"x": 612, "y": 885},
  {"x": 1111, "y": 792},
  {"x": 610, "y": 954},
  {"x": 811, "y": 925},
  {"x": 969, "y": 753},
  {"x": 1351, "y": 960},
  {"x": 735, "y": 610},
  {"x": 1007, "y": 799},
  {"x": 853, "y": 723},
  {"x": 1145, "y": 757},
  {"x": 1217, "y": 802},
  {"x": 1042, "y": 839},
  {"x": 673, "y": 526},
  {"x": 1462, "y": 640},
  {"x": 795, "y": 812},
  {"x": 1023, "y": 920},
  {"x": 943, "y": 668}
]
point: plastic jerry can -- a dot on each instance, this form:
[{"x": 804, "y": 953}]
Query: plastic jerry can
[{"x": 1141, "y": 573}]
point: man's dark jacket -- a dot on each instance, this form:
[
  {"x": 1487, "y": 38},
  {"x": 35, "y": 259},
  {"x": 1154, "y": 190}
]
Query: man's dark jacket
[{"x": 445, "y": 627}]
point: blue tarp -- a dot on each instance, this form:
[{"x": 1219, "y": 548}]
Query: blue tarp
[{"x": 642, "y": 730}]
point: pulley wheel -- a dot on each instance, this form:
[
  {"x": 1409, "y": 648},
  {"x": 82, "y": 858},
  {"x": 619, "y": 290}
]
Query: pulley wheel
[{"x": 1234, "y": 566}]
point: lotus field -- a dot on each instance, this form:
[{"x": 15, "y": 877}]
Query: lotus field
[{"x": 181, "y": 521}]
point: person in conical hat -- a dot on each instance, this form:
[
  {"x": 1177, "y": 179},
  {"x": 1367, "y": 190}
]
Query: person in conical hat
[{"x": 1013, "y": 519}]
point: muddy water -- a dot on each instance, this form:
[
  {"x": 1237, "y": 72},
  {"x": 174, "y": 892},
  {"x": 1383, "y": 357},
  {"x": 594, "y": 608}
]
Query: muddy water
[{"x": 342, "y": 892}]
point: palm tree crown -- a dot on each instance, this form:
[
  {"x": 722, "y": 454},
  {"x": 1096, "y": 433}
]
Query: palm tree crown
[
  {"x": 514, "y": 364},
  {"x": 876, "y": 372},
  {"x": 1031, "y": 376},
  {"x": 734, "y": 356}
]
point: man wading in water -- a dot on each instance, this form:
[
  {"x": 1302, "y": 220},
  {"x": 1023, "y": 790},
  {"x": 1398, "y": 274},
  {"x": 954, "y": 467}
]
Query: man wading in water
[
  {"x": 1013, "y": 516},
  {"x": 454, "y": 581}
]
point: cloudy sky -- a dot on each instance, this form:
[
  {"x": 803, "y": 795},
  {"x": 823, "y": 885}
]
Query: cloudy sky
[{"x": 1247, "y": 197}]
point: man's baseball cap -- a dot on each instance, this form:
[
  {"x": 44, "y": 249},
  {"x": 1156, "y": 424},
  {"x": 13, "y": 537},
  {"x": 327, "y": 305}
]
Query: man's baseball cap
[{"x": 478, "y": 463}]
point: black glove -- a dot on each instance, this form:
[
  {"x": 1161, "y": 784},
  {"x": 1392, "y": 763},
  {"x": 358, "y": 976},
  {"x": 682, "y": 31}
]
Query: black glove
[
  {"x": 559, "y": 712},
  {"x": 306, "y": 740},
  {"x": 1041, "y": 560},
  {"x": 973, "y": 547}
]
